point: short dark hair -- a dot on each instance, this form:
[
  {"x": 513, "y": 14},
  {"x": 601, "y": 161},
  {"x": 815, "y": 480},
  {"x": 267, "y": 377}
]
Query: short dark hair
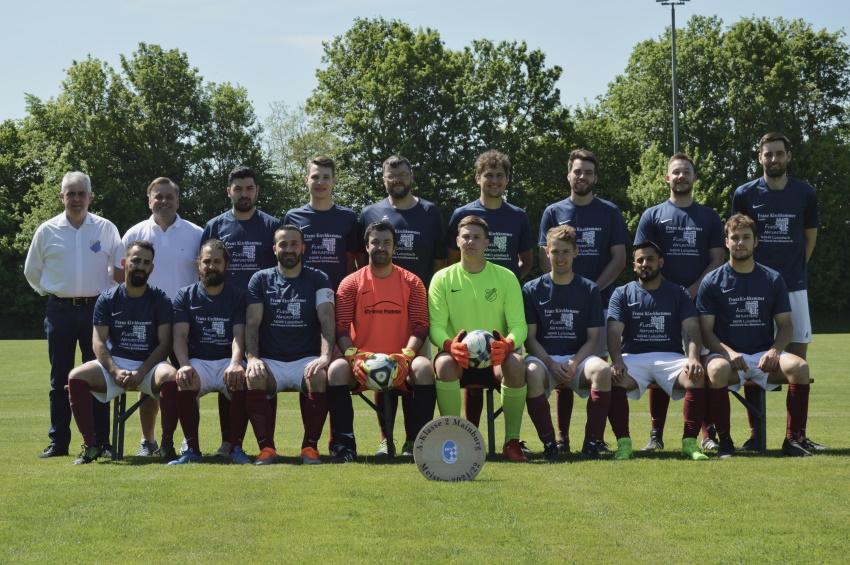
[
  {"x": 380, "y": 226},
  {"x": 775, "y": 136},
  {"x": 475, "y": 221},
  {"x": 646, "y": 244},
  {"x": 323, "y": 161},
  {"x": 739, "y": 221},
  {"x": 241, "y": 172},
  {"x": 493, "y": 159},
  {"x": 682, "y": 157},
  {"x": 215, "y": 244},
  {"x": 396, "y": 161},
  {"x": 584, "y": 155},
  {"x": 140, "y": 243},
  {"x": 289, "y": 227}
]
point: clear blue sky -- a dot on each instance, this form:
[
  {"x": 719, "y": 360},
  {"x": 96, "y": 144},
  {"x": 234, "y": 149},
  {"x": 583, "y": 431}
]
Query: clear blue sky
[{"x": 273, "y": 48}]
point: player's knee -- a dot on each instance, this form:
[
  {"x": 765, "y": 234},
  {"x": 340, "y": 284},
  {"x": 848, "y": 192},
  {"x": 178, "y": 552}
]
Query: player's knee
[
  {"x": 421, "y": 371},
  {"x": 317, "y": 382},
  {"x": 339, "y": 373},
  {"x": 446, "y": 368},
  {"x": 598, "y": 372},
  {"x": 719, "y": 372},
  {"x": 796, "y": 368}
]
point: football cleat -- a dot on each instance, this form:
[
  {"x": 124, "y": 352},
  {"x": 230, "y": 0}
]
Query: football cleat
[
  {"x": 223, "y": 450},
  {"x": 809, "y": 445},
  {"x": 189, "y": 456},
  {"x": 604, "y": 447},
  {"x": 345, "y": 455},
  {"x": 167, "y": 452},
  {"x": 691, "y": 450},
  {"x": 624, "y": 449},
  {"x": 309, "y": 456},
  {"x": 709, "y": 444},
  {"x": 383, "y": 449},
  {"x": 147, "y": 449},
  {"x": 238, "y": 457},
  {"x": 53, "y": 451},
  {"x": 267, "y": 456},
  {"x": 87, "y": 455},
  {"x": 564, "y": 445},
  {"x": 725, "y": 449},
  {"x": 550, "y": 452},
  {"x": 792, "y": 448},
  {"x": 407, "y": 449},
  {"x": 590, "y": 452},
  {"x": 512, "y": 451},
  {"x": 749, "y": 445},
  {"x": 184, "y": 446},
  {"x": 656, "y": 441}
]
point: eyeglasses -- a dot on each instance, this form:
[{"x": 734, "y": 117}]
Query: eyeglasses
[{"x": 400, "y": 176}]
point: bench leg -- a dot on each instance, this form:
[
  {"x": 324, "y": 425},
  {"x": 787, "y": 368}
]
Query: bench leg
[
  {"x": 387, "y": 416},
  {"x": 759, "y": 413},
  {"x": 118, "y": 427}
]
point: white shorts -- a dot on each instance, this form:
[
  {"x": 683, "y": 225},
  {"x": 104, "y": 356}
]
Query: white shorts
[
  {"x": 800, "y": 316},
  {"x": 574, "y": 384},
  {"x": 211, "y": 373},
  {"x": 754, "y": 373},
  {"x": 289, "y": 375},
  {"x": 112, "y": 388},
  {"x": 662, "y": 369}
]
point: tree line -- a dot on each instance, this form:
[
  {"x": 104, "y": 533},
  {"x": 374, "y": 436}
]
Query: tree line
[{"x": 388, "y": 88}]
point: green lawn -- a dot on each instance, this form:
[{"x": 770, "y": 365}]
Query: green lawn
[{"x": 656, "y": 509}]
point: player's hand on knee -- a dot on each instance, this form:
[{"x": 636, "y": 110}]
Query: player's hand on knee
[
  {"x": 134, "y": 379},
  {"x": 769, "y": 362},
  {"x": 694, "y": 370},
  {"x": 403, "y": 360},
  {"x": 736, "y": 360},
  {"x": 500, "y": 348},
  {"x": 619, "y": 372},
  {"x": 315, "y": 366},
  {"x": 257, "y": 369},
  {"x": 459, "y": 351},
  {"x": 355, "y": 358},
  {"x": 186, "y": 376},
  {"x": 234, "y": 375}
]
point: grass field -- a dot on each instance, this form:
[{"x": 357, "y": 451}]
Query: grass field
[{"x": 656, "y": 509}]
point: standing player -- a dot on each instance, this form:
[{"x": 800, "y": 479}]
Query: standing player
[
  {"x": 176, "y": 241},
  {"x": 478, "y": 295},
  {"x": 132, "y": 338},
  {"x": 289, "y": 341},
  {"x": 645, "y": 322},
  {"x": 73, "y": 257},
  {"x": 690, "y": 236},
  {"x": 209, "y": 343},
  {"x": 420, "y": 250},
  {"x": 740, "y": 304},
  {"x": 601, "y": 240},
  {"x": 330, "y": 230},
  {"x": 381, "y": 308},
  {"x": 785, "y": 211},
  {"x": 249, "y": 236},
  {"x": 565, "y": 321}
]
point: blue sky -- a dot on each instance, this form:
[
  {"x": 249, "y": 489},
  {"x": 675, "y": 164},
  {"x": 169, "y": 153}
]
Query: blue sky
[{"x": 274, "y": 48}]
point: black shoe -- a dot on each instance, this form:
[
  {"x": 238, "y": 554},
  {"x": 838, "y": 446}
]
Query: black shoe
[
  {"x": 590, "y": 451},
  {"x": 712, "y": 432},
  {"x": 53, "y": 451},
  {"x": 808, "y": 444},
  {"x": 656, "y": 441},
  {"x": 792, "y": 448},
  {"x": 345, "y": 455},
  {"x": 525, "y": 449},
  {"x": 551, "y": 451},
  {"x": 105, "y": 450},
  {"x": 167, "y": 452},
  {"x": 603, "y": 447},
  {"x": 749, "y": 445},
  {"x": 87, "y": 455},
  {"x": 726, "y": 449},
  {"x": 564, "y": 445}
]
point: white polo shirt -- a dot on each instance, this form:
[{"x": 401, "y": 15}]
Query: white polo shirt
[
  {"x": 176, "y": 252},
  {"x": 71, "y": 262}
]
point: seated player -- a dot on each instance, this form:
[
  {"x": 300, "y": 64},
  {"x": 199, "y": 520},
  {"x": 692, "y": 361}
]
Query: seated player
[
  {"x": 565, "y": 321},
  {"x": 131, "y": 340},
  {"x": 209, "y": 343},
  {"x": 288, "y": 341},
  {"x": 475, "y": 294},
  {"x": 745, "y": 317},
  {"x": 381, "y": 308},
  {"x": 645, "y": 322}
]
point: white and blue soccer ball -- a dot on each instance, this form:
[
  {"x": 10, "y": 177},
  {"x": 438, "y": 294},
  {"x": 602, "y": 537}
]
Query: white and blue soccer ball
[
  {"x": 381, "y": 372},
  {"x": 478, "y": 342}
]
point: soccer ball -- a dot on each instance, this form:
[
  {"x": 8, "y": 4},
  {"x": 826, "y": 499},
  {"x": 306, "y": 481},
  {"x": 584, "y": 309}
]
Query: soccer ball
[
  {"x": 381, "y": 372},
  {"x": 478, "y": 342}
]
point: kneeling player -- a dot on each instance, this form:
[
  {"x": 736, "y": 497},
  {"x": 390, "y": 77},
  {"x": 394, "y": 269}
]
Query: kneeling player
[
  {"x": 381, "y": 308},
  {"x": 131, "y": 340},
  {"x": 648, "y": 316},
  {"x": 475, "y": 294},
  {"x": 564, "y": 315},
  {"x": 741, "y": 305}
]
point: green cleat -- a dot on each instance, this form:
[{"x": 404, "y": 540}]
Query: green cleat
[
  {"x": 167, "y": 452},
  {"x": 88, "y": 455},
  {"x": 624, "y": 449},
  {"x": 407, "y": 449},
  {"x": 691, "y": 450}
]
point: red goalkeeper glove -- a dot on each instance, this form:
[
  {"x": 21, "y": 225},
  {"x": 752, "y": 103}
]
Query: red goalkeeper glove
[
  {"x": 500, "y": 348},
  {"x": 403, "y": 359},
  {"x": 458, "y": 349}
]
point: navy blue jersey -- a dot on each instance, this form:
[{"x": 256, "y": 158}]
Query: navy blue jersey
[
  {"x": 599, "y": 227},
  {"x": 132, "y": 322},
  {"x": 562, "y": 312},
  {"x": 743, "y": 306},
  {"x": 290, "y": 329},
  {"x": 420, "y": 235},
  {"x": 210, "y": 318},
  {"x": 684, "y": 235},
  {"x": 510, "y": 232},
  {"x": 328, "y": 235},
  {"x": 653, "y": 318},
  {"x": 250, "y": 243},
  {"x": 781, "y": 218}
]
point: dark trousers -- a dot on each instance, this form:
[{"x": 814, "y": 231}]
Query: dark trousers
[{"x": 65, "y": 326}]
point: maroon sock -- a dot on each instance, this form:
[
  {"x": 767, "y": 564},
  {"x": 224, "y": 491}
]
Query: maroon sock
[
  {"x": 257, "y": 406},
  {"x": 598, "y": 406},
  {"x": 564, "y": 401},
  {"x": 168, "y": 411},
  {"x": 750, "y": 395},
  {"x": 379, "y": 402},
  {"x": 693, "y": 411},
  {"x": 718, "y": 399},
  {"x": 190, "y": 416},
  {"x": 410, "y": 427},
  {"x": 618, "y": 413},
  {"x": 314, "y": 411},
  {"x": 797, "y": 404},
  {"x": 79, "y": 394},
  {"x": 473, "y": 405},
  {"x": 659, "y": 404},
  {"x": 224, "y": 421},
  {"x": 538, "y": 411},
  {"x": 238, "y": 418},
  {"x": 272, "y": 422}
]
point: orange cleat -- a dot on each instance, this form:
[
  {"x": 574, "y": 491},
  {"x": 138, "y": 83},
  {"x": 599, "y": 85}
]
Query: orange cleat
[
  {"x": 513, "y": 451},
  {"x": 309, "y": 456},
  {"x": 266, "y": 457}
]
